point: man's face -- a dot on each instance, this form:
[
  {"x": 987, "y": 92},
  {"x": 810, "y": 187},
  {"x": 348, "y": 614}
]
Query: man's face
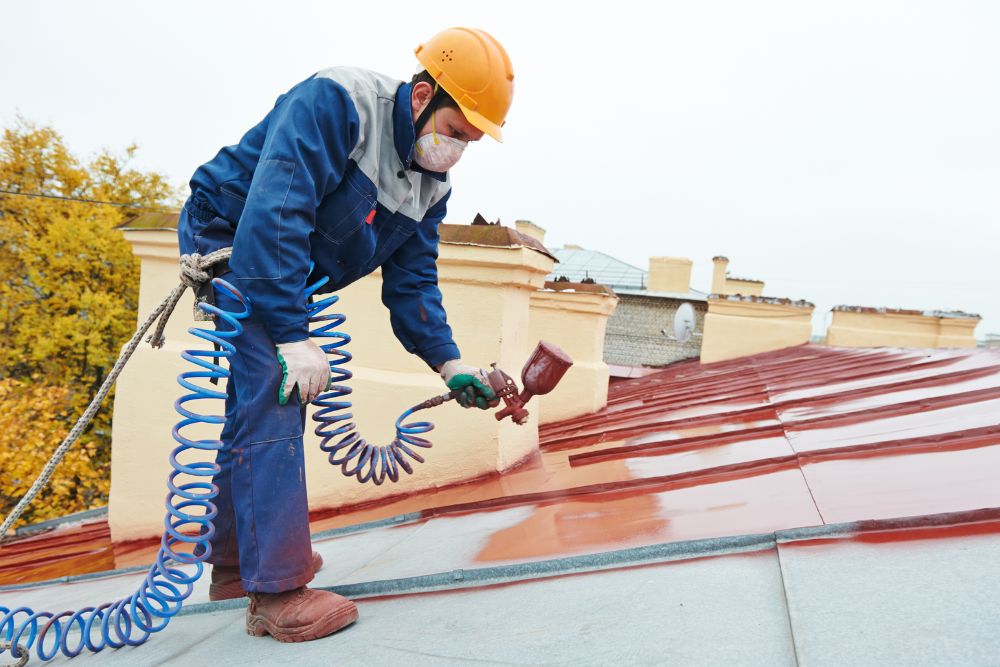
[{"x": 448, "y": 121}]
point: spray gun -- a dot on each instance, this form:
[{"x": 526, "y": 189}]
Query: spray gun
[{"x": 540, "y": 375}]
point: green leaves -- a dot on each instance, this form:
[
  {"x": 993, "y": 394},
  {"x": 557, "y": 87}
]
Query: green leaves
[{"x": 68, "y": 299}]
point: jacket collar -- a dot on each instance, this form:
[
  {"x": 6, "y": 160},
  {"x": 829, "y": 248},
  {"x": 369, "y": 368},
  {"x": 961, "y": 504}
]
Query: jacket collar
[{"x": 405, "y": 135}]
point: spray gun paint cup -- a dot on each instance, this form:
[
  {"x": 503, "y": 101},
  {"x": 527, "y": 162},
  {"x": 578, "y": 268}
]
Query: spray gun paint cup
[{"x": 540, "y": 375}]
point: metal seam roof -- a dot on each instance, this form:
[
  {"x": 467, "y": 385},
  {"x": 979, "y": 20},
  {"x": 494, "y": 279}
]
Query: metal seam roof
[
  {"x": 763, "y": 414},
  {"x": 807, "y": 449}
]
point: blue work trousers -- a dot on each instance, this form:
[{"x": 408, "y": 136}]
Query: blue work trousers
[{"x": 263, "y": 520}]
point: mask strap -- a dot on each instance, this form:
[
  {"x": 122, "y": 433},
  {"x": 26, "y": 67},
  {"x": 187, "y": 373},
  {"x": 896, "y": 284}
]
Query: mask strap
[
  {"x": 434, "y": 132},
  {"x": 428, "y": 111}
]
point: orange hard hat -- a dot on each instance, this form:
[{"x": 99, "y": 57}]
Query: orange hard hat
[{"x": 474, "y": 69}]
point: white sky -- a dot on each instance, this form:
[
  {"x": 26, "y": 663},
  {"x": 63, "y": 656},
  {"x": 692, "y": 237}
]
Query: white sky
[{"x": 844, "y": 152}]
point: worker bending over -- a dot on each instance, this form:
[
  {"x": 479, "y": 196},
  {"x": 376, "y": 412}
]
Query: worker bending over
[{"x": 349, "y": 172}]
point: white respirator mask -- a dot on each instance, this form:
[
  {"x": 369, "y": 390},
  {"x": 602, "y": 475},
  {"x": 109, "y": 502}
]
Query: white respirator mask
[{"x": 436, "y": 152}]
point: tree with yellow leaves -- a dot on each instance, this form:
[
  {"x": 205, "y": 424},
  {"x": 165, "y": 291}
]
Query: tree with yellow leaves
[{"x": 68, "y": 296}]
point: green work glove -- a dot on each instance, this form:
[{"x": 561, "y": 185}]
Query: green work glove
[{"x": 475, "y": 388}]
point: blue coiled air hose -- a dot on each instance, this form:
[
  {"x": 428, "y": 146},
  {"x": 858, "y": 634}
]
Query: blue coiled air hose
[
  {"x": 355, "y": 456},
  {"x": 131, "y": 620}
]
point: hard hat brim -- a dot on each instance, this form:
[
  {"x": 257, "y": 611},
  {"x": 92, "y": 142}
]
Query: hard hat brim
[{"x": 480, "y": 122}]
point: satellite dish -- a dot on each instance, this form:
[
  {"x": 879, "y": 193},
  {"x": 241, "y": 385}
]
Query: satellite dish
[{"x": 684, "y": 323}]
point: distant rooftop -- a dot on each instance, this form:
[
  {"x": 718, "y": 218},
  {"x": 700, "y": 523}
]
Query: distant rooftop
[
  {"x": 690, "y": 295},
  {"x": 579, "y": 264},
  {"x": 772, "y": 300},
  {"x": 952, "y": 314},
  {"x": 150, "y": 221}
]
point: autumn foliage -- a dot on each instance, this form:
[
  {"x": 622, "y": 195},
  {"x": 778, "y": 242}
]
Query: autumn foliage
[{"x": 68, "y": 293}]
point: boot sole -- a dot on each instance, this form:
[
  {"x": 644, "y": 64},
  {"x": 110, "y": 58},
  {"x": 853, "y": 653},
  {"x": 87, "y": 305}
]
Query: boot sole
[{"x": 337, "y": 619}]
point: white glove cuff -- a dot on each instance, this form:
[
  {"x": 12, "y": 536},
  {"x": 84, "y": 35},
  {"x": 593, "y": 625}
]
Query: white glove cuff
[{"x": 450, "y": 368}]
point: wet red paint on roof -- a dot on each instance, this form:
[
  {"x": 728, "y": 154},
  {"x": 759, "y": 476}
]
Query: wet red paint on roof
[{"x": 793, "y": 438}]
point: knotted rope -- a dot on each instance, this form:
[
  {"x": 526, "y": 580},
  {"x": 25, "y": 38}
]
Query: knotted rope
[{"x": 194, "y": 273}]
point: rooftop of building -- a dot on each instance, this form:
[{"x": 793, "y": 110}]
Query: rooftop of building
[
  {"x": 579, "y": 264},
  {"x": 955, "y": 314},
  {"x": 772, "y": 300},
  {"x": 815, "y": 504}
]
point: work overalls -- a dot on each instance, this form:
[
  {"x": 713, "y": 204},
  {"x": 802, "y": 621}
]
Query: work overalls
[{"x": 326, "y": 178}]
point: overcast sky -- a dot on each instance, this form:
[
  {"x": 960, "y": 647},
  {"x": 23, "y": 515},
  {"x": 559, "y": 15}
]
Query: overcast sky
[{"x": 844, "y": 152}]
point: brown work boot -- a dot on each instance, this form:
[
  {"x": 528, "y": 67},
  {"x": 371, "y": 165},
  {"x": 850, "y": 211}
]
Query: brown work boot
[
  {"x": 227, "y": 584},
  {"x": 300, "y": 615}
]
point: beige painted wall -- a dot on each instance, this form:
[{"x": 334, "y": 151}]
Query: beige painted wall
[
  {"x": 574, "y": 317},
  {"x": 741, "y": 326},
  {"x": 487, "y": 293},
  {"x": 957, "y": 331},
  {"x": 669, "y": 274},
  {"x": 870, "y": 327},
  {"x": 724, "y": 285},
  {"x": 749, "y": 287}
]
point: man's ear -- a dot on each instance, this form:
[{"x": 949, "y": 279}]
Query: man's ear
[{"x": 420, "y": 96}]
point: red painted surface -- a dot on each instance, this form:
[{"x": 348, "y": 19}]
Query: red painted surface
[
  {"x": 82, "y": 549},
  {"x": 896, "y": 485},
  {"x": 730, "y": 504},
  {"x": 784, "y": 439}
]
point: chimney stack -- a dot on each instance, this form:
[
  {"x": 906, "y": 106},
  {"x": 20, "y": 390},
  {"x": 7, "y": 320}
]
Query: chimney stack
[
  {"x": 669, "y": 274},
  {"x": 528, "y": 228},
  {"x": 720, "y": 266}
]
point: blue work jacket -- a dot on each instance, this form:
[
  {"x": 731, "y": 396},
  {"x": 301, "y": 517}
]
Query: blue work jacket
[{"x": 328, "y": 175}]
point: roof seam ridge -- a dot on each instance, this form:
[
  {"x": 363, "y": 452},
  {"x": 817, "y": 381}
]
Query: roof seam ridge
[
  {"x": 784, "y": 434},
  {"x": 662, "y": 553},
  {"x": 460, "y": 579},
  {"x": 788, "y": 606}
]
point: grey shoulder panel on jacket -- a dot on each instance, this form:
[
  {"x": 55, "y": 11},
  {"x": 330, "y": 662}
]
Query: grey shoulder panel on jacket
[{"x": 374, "y": 97}]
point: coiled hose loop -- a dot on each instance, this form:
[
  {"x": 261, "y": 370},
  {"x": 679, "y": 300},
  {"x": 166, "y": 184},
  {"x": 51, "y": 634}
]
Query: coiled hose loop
[
  {"x": 188, "y": 521},
  {"x": 355, "y": 456}
]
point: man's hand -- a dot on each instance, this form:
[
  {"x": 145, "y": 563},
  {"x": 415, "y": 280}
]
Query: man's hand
[
  {"x": 303, "y": 363},
  {"x": 475, "y": 387}
]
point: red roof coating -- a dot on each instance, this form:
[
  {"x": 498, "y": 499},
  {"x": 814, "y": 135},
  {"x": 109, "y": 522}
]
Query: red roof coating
[
  {"x": 793, "y": 438},
  {"x": 81, "y": 549}
]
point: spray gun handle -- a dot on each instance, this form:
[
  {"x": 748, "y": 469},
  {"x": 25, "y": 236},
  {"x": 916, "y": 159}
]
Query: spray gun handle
[{"x": 505, "y": 388}]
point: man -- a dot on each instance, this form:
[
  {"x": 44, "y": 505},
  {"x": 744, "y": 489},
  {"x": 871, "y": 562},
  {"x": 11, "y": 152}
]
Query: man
[{"x": 349, "y": 170}]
